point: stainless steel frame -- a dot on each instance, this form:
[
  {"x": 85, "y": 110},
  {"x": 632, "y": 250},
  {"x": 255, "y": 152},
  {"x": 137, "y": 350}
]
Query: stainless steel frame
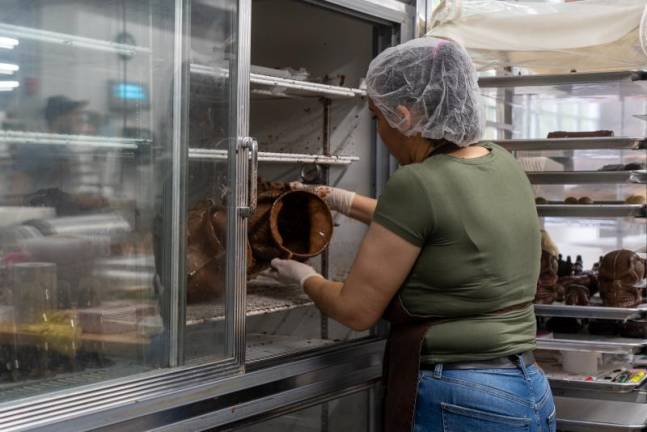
[
  {"x": 192, "y": 398},
  {"x": 209, "y": 395}
]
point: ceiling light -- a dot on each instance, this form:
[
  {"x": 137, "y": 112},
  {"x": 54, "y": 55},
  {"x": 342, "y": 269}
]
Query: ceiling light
[
  {"x": 8, "y": 68},
  {"x": 8, "y": 85},
  {"x": 8, "y": 43}
]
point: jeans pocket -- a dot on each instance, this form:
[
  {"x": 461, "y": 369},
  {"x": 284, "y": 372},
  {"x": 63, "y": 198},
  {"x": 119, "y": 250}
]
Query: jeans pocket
[
  {"x": 460, "y": 419},
  {"x": 552, "y": 421}
]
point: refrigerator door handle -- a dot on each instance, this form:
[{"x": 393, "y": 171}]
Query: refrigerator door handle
[{"x": 251, "y": 145}]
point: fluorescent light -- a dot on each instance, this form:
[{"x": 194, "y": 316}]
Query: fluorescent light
[
  {"x": 8, "y": 43},
  {"x": 8, "y": 85},
  {"x": 8, "y": 68}
]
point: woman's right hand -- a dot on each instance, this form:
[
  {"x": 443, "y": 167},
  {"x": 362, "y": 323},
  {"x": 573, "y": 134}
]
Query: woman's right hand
[{"x": 339, "y": 200}]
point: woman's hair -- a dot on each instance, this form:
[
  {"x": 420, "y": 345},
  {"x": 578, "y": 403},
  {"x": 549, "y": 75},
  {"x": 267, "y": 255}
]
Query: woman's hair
[{"x": 436, "y": 80}]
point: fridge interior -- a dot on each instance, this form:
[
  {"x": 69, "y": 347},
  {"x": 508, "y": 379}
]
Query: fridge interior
[{"x": 311, "y": 120}]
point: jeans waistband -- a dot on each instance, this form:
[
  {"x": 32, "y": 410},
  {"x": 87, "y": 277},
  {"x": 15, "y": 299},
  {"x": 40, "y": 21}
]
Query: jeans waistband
[{"x": 508, "y": 362}]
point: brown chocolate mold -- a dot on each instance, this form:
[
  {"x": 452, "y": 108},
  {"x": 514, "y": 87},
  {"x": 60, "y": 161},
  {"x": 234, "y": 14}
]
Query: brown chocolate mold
[
  {"x": 301, "y": 224},
  {"x": 286, "y": 224}
]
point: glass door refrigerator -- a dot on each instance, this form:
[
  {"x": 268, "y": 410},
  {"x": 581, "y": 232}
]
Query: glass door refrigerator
[{"x": 136, "y": 141}]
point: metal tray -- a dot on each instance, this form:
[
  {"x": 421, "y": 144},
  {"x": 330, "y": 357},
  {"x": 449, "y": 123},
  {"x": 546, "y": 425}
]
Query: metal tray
[
  {"x": 592, "y": 143},
  {"x": 591, "y": 312},
  {"x": 569, "y": 381},
  {"x": 592, "y": 210},
  {"x": 593, "y": 415},
  {"x": 586, "y": 342},
  {"x": 587, "y": 177}
]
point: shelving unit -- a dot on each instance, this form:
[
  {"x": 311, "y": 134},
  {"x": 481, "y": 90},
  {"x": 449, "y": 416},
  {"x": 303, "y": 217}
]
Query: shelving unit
[{"x": 584, "y": 405}]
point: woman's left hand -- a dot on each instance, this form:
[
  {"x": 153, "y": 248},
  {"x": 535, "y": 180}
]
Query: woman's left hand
[{"x": 290, "y": 271}]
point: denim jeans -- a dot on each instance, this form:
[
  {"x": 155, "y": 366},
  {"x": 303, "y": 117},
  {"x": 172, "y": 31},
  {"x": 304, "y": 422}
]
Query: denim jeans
[{"x": 484, "y": 400}]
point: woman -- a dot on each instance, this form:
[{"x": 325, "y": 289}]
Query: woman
[{"x": 454, "y": 239}]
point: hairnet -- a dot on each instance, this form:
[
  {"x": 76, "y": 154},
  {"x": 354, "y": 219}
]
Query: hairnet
[{"x": 436, "y": 80}]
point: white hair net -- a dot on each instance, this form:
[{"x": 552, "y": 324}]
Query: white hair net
[{"x": 436, "y": 80}]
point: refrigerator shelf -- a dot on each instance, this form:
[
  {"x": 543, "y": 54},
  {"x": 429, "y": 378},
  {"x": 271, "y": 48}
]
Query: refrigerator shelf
[
  {"x": 284, "y": 87},
  {"x": 600, "y": 143},
  {"x": 586, "y": 342},
  {"x": 19, "y": 32},
  {"x": 97, "y": 142},
  {"x": 592, "y": 210},
  {"x": 587, "y": 177},
  {"x": 277, "y": 158},
  {"x": 262, "y": 298},
  {"x": 560, "y": 79}
]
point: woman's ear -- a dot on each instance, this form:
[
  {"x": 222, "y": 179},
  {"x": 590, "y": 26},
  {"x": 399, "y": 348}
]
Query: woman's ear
[{"x": 406, "y": 116}]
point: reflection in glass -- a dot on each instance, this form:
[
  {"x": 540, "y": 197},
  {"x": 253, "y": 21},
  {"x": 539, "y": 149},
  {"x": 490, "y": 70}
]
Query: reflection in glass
[{"x": 83, "y": 163}]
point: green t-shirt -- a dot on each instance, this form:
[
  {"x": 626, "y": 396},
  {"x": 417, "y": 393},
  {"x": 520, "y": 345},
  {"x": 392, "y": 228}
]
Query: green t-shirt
[{"x": 476, "y": 224}]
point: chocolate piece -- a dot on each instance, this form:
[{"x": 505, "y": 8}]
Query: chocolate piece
[
  {"x": 564, "y": 325},
  {"x": 577, "y": 295},
  {"x": 541, "y": 200},
  {"x": 587, "y": 279},
  {"x": 635, "y": 199},
  {"x": 547, "y": 291},
  {"x": 591, "y": 134},
  {"x": 205, "y": 262},
  {"x": 604, "y": 327},
  {"x": 634, "y": 166},
  {"x": 67, "y": 204},
  {"x": 634, "y": 329},
  {"x": 570, "y": 200},
  {"x": 622, "y": 273},
  {"x": 585, "y": 200}
]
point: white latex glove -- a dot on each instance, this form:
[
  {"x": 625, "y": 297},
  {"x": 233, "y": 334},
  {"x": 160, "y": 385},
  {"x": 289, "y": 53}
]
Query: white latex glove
[
  {"x": 290, "y": 271},
  {"x": 339, "y": 200}
]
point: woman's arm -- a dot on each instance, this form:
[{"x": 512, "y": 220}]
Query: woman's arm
[
  {"x": 362, "y": 208},
  {"x": 382, "y": 264},
  {"x": 351, "y": 204}
]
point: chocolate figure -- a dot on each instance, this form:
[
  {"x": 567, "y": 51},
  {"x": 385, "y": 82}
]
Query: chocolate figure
[{"x": 621, "y": 276}]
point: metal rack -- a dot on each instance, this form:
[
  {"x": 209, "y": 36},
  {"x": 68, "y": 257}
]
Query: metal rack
[
  {"x": 560, "y": 79},
  {"x": 599, "y": 143},
  {"x": 283, "y": 87},
  {"x": 92, "y": 141},
  {"x": 590, "y": 312},
  {"x": 587, "y": 177},
  {"x": 585, "y": 342},
  {"x": 278, "y": 158},
  {"x": 592, "y": 210},
  {"x": 263, "y": 297},
  {"x": 70, "y": 40}
]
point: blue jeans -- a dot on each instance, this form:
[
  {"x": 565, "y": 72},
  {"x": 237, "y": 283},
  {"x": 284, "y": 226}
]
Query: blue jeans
[{"x": 484, "y": 400}]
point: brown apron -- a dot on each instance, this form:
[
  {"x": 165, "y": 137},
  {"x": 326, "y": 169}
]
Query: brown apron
[{"x": 402, "y": 363}]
